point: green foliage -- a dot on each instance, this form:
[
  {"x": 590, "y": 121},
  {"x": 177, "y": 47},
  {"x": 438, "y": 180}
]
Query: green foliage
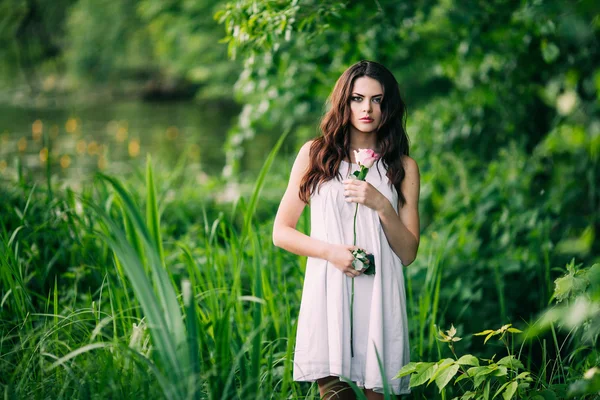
[
  {"x": 266, "y": 25},
  {"x": 503, "y": 115},
  {"x": 504, "y": 120},
  {"x": 206, "y": 321},
  {"x": 31, "y": 34},
  {"x": 244, "y": 312},
  {"x": 489, "y": 73},
  {"x": 509, "y": 376},
  {"x": 488, "y": 333},
  {"x": 589, "y": 385},
  {"x": 488, "y": 379},
  {"x": 576, "y": 281},
  {"x": 579, "y": 293},
  {"x": 144, "y": 47},
  {"x": 161, "y": 308},
  {"x": 105, "y": 38}
]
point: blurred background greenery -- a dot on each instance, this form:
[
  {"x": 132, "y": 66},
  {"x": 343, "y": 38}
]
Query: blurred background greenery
[{"x": 504, "y": 121}]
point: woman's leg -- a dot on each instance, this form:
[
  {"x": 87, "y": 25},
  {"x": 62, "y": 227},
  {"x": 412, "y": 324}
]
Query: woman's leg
[
  {"x": 371, "y": 395},
  {"x": 331, "y": 388}
]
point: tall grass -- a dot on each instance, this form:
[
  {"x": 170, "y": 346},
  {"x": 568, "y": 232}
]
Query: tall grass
[
  {"x": 121, "y": 291},
  {"x": 203, "y": 317}
]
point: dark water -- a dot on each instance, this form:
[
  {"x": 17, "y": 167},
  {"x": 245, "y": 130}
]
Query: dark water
[{"x": 81, "y": 139}]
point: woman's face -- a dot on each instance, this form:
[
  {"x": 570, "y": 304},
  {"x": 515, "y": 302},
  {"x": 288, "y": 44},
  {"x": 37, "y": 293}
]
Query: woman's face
[{"x": 365, "y": 104}]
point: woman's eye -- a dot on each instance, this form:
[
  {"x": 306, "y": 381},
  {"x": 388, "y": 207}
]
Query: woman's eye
[
  {"x": 377, "y": 100},
  {"x": 356, "y": 98}
]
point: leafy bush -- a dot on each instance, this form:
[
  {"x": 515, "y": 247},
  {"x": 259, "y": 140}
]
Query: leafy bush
[{"x": 508, "y": 377}]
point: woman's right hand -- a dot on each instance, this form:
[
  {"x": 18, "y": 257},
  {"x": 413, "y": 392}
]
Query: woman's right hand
[{"x": 341, "y": 257}]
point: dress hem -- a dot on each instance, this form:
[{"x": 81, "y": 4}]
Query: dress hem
[{"x": 377, "y": 389}]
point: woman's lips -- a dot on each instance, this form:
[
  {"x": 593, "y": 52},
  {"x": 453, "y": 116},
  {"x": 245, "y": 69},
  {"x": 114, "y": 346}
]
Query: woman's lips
[{"x": 367, "y": 120}]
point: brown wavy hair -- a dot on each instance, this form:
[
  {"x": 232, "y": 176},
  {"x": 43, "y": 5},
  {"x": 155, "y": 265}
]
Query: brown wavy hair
[{"x": 333, "y": 145}]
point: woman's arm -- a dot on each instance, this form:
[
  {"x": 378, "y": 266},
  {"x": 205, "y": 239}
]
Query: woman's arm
[
  {"x": 287, "y": 237},
  {"x": 402, "y": 229}
]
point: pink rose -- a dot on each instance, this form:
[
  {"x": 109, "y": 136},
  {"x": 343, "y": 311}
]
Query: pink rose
[{"x": 366, "y": 157}]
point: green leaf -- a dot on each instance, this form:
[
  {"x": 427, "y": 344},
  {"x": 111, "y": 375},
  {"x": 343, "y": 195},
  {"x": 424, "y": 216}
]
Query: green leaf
[
  {"x": 162, "y": 308},
  {"x": 452, "y": 331},
  {"x": 545, "y": 394},
  {"x": 479, "y": 374},
  {"x": 468, "y": 359},
  {"x": 550, "y": 51},
  {"x": 371, "y": 268},
  {"x": 510, "y": 390},
  {"x": 570, "y": 285},
  {"x": 488, "y": 337},
  {"x": 486, "y": 391},
  {"x": 524, "y": 385},
  {"x": 152, "y": 214},
  {"x": 524, "y": 375},
  {"x": 442, "y": 380},
  {"x": 511, "y": 362},
  {"x": 500, "y": 389},
  {"x": 500, "y": 371},
  {"x": 463, "y": 376},
  {"x": 443, "y": 337},
  {"x": 422, "y": 374},
  {"x": 407, "y": 369},
  {"x": 441, "y": 366}
]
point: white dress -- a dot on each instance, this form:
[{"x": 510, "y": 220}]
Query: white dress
[{"x": 380, "y": 322}]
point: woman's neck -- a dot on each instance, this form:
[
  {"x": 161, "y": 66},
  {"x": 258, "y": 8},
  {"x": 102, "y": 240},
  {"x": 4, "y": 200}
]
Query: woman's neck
[
  {"x": 365, "y": 145},
  {"x": 360, "y": 140},
  {"x": 354, "y": 147}
]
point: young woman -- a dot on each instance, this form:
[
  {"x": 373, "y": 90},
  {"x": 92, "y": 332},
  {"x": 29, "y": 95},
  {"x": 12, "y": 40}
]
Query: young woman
[{"x": 366, "y": 112}]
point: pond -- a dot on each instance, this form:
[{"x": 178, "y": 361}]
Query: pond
[{"x": 81, "y": 139}]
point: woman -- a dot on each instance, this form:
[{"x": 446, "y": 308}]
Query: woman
[{"x": 366, "y": 112}]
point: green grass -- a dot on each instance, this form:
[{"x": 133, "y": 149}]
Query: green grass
[
  {"x": 121, "y": 290},
  {"x": 206, "y": 315}
]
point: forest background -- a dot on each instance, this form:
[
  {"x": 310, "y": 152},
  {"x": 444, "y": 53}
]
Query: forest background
[{"x": 159, "y": 275}]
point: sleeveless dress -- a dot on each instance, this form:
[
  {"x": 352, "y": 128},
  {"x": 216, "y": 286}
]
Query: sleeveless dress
[{"x": 380, "y": 321}]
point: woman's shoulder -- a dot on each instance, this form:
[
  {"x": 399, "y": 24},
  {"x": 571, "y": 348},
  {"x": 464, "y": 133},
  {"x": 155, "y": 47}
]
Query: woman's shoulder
[
  {"x": 410, "y": 166},
  {"x": 409, "y": 162},
  {"x": 306, "y": 146},
  {"x": 304, "y": 152},
  {"x": 302, "y": 159}
]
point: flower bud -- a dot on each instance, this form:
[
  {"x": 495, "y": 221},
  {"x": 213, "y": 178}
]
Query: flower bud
[{"x": 366, "y": 157}]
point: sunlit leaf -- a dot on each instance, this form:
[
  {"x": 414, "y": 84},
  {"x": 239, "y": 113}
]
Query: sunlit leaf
[
  {"x": 444, "y": 378},
  {"x": 479, "y": 374},
  {"x": 440, "y": 366},
  {"x": 550, "y": 51},
  {"x": 510, "y": 391},
  {"x": 407, "y": 369},
  {"x": 511, "y": 362},
  {"x": 500, "y": 389},
  {"x": 422, "y": 374},
  {"x": 468, "y": 359}
]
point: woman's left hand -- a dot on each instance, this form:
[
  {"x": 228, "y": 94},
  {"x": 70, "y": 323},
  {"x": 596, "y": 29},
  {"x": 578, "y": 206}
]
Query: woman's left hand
[{"x": 363, "y": 192}]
